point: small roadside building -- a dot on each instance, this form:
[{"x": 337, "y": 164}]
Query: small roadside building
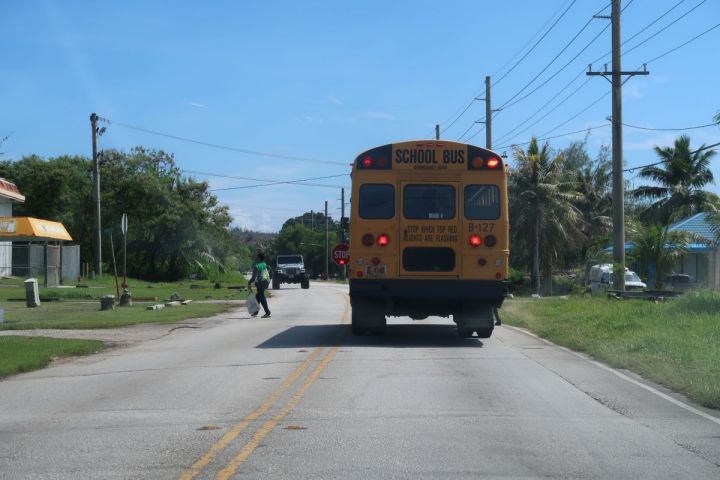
[
  {"x": 38, "y": 249},
  {"x": 9, "y": 195},
  {"x": 702, "y": 261}
]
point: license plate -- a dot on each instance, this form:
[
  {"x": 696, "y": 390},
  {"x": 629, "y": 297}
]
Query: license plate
[{"x": 376, "y": 270}]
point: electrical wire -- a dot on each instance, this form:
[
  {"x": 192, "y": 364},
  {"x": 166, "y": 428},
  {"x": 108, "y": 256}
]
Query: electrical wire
[
  {"x": 223, "y": 147},
  {"x": 588, "y": 129},
  {"x": 664, "y": 28},
  {"x": 283, "y": 182},
  {"x": 474, "y": 98},
  {"x": 715, "y": 124},
  {"x": 254, "y": 179},
  {"x": 650, "y": 61},
  {"x": 705, "y": 147},
  {"x": 535, "y": 45},
  {"x": 682, "y": 45}
]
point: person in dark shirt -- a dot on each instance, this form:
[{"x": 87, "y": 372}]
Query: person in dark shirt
[{"x": 261, "y": 278}]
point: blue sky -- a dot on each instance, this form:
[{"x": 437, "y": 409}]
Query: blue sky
[{"x": 326, "y": 80}]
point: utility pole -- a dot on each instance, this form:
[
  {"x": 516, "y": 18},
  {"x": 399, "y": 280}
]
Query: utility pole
[
  {"x": 312, "y": 220},
  {"x": 437, "y": 131},
  {"x": 327, "y": 244},
  {"x": 618, "y": 188},
  {"x": 488, "y": 114},
  {"x": 343, "y": 235},
  {"x": 97, "y": 236}
]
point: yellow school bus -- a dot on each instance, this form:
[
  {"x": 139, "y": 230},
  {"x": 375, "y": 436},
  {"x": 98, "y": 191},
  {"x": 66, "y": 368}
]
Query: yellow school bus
[{"x": 428, "y": 235}]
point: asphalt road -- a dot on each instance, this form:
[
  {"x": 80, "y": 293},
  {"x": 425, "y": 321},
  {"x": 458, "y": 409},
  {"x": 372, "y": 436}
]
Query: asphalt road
[{"x": 298, "y": 397}]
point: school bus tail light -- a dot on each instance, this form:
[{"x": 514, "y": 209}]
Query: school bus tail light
[
  {"x": 475, "y": 240},
  {"x": 383, "y": 240},
  {"x": 493, "y": 163},
  {"x": 490, "y": 241},
  {"x": 376, "y": 159},
  {"x": 368, "y": 240}
]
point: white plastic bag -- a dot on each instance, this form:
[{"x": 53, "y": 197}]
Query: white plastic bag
[{"x": 252, "y": 304}]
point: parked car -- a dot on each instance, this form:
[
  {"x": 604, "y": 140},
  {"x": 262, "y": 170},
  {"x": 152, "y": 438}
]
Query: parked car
[
  {"x": 601, "y": 279},
  {"x": 679, "y": 281}
]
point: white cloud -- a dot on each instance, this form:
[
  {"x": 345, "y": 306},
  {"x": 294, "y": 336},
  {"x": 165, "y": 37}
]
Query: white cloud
[
  {"x": 380, "y": 116},
  {"x": 311, "y": 119},
  {"x": 334, "y": 99},
  {"x": 632, "y": 91},
  {"x": 196, "y": 104}
]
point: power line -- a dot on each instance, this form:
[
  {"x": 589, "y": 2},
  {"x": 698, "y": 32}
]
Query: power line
[
  {"x": 682, "y": 45},
  {"x": 511, "y": 133},
  {"x": 544, "y": 69},
  {"x": 715, "y": 124},
  {"x": 285, "y": 182},
  {"x": 254, "y": 179},
  {"x": 664, "y": 28},
  {"x": 652, "y": 60},
  {"x": 529, "y": 40},
  {"x": 588, "y": 129},
  {"x": 535, "y": 45},
  {"x": 223, "y": 147},
  {"x": 707, "y": 147}
]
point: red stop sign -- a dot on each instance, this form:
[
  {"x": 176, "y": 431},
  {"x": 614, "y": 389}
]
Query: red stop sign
[{"x": 341, "y": 254}]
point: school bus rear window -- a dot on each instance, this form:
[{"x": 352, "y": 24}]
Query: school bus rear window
[
  {"x": 429, "y": 202},
  {"x": 482, "y": 202},
  {"x": 377, "y": 201}
]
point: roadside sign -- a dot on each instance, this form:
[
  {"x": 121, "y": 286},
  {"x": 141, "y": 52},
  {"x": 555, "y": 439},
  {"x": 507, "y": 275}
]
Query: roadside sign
[
  {"x": 124, "y": 224},
  {"x": 341, "y": 254}
]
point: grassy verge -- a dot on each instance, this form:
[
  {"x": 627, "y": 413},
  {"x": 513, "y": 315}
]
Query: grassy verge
[
  {"x": 676, "y": 343},
  {"x": 87, "y": 315},
  {"x": 23, "y": 354},
  {"x": 13, "y": 288}
]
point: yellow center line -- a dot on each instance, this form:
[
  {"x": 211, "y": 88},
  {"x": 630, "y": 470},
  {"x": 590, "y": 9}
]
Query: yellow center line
[
  {"x": 269, "y": 425},
  {"x": 208, "y": 457}
]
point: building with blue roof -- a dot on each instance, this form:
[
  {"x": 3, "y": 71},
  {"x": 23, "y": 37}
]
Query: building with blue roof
[{"x": 702, "y": 261}]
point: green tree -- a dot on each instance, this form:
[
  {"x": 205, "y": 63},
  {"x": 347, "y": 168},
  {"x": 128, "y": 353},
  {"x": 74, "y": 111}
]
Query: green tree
[
  {"x": 542, "y": 209},
  {"x": 677, "y": 191},
  {"x": 656, "y": 247},
  {"x": 296, "y": 238}
]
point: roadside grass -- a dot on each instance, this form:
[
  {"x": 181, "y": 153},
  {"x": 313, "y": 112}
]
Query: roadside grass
[
  {"x": 86, "y": 315},
  {"x": 13, "y": 288},
  {"x": 23, "y": 354},
  {"x": 674, "y": 343}
]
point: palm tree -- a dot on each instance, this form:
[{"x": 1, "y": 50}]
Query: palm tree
[
  {"x": 679, "y": 183},
  {"x": 657, "y": 246},
  {"x": 594, "y": 185},
  {"x": 542, "y": 209}
]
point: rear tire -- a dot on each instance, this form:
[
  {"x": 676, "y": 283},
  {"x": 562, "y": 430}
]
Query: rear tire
[
  {"x": 484, "y": 332},
  {"x": 305, "y": 284},
  {"x": 367, "y": 316}
]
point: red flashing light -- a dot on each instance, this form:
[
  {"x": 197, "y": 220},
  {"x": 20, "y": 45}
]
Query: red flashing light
[
  {"x": 490, "y": 241},
  {"x": 382, "y": 162},
  {"x": 367, "y": 162},
  {"x": 383, "y": 240},
  {"x": 493, "y": 163},
  {"x": 498, "y": 275},
  {"x": 475, "y": 240},
  {"x": 477, "y": 163},
  {"x": 368, "y": 240},
  {"x": 359, "y": 273},
  {"x": 342, "y": 261}
]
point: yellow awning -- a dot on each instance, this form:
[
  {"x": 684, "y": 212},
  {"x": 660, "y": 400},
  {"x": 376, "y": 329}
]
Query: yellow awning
[{"x": 31, "y": 229}]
